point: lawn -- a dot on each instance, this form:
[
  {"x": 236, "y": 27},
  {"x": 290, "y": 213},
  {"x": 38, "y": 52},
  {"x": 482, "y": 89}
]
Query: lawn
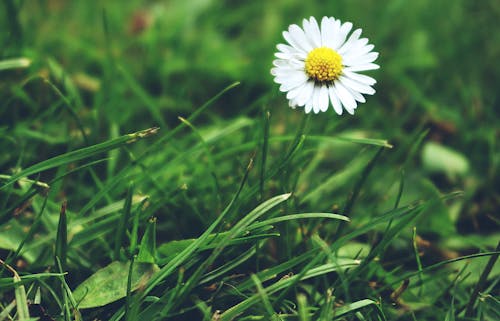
[{"x": 151, "y": 168}]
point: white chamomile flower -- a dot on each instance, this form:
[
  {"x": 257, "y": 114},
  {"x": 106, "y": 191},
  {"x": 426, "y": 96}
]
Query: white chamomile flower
[{"x": 319, "y": 66}]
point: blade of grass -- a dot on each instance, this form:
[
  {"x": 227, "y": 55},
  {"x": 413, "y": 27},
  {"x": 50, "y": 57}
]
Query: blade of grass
[
  {"x": 69, "y": 107},
  {"x": 61, "y": 249},
  {"x": 211, "y": 164},
  {"x": 365, "y": 141},
  {"x": 283, "y": 268},
  {"x": 138, "y": 91},
  {"x": 407, "y": 275},
  {"x": 123, "y": 222},
  {"x": 359, "y": 184},
  {"x": 303, "y": 308},
  {"x": 220, "y": 271},
  {"x": 6, "y": 310},
  {"x": 161, "y": 141},
  {"x": 7, "y": 283},
  {"x": 326, "y": 312},
  {"x": 62, "y": 76},
  {"x": 482, "y": 281},
  {"x": 352, "y": 307},
  {"x": 265, "y": 145},
  {"x": 65, "y": 304},
  {"x": 292, "y": 217},
  {"x": 417, "y": 256},
  {"x": 21, "y": 301},
  {"x": 271, "y": 315},
  {"x": 20, "y": 294},
  {"x": 128, "y": 297},
  {"x": 285, "y": 138},
  {"x": 135, "y": 226},
  {"x": 81, "y": 154}
]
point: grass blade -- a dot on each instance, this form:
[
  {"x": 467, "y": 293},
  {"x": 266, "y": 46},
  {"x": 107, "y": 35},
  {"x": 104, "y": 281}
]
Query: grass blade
[
  {"x": 265, "y": 145},
  {"x": 61, "y": 250},
  {"x": 122, "y": 223},
  {"x": 14, "y": 63},
  {"x": 81, "y": 154},
  {"x": 482, "y": 280}
]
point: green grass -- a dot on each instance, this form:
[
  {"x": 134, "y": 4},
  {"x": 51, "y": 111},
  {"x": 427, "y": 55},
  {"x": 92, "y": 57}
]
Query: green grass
[{"x": 151, "y": 170}]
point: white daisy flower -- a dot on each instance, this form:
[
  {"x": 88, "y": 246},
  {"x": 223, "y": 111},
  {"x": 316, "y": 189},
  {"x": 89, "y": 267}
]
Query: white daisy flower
[{"x": 319, "y": 66}]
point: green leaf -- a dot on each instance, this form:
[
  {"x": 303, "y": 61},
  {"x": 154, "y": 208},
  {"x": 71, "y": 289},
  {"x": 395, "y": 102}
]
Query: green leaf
[
  {"x": 109, "y": 284},
  {"x": 437, "y": 158},
  {"x": 21, "y": 300}
]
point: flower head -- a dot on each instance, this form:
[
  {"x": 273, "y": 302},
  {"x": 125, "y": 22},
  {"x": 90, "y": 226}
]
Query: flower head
[{"x": 320, "y": 66}]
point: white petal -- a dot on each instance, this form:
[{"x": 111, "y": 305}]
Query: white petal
[
  {"x": 285, "y": 48},
  {"x": 357, "y": 96},
  {"x": 366, "y": 48},
  {"x": 283, "y": 72},
  {"x": 364, "y": 67},
  {"x": 312, "y": 32},
  {"x": 334, "y": 98},
  {"x": 360, "y": 78},
  {"x": 327, "y": 29},
  {"x": 323, "y": 98},
  {"x": 341, "y": 35},
  {"x": 292, "y": 82},
  {"x": 308, "y": 107},
  {"x": 361, "y": 60},
  {"x": 306, "y": 93},
  {"x": 335, "y": 33},
  {"x": 295, "y": 92},
  {"x": 315, "y": 100},
  {"x": 289, "y": 64},
  {"x": 346, "y": 98},
  {"x": 292, "y": 77},
  {"x": 292, "y": 103},
  {"x": 350, "y": 42},
  {"x": 299, "y": 39},
  {"x": 291, "y": 54},
  {"x": 354, "y": 85},
  {"x": 287, "y": 69},
  {"x": 290, "y": 40},
  {"x": 357, "y": 51},
  {"x": 355, "y": 48}
]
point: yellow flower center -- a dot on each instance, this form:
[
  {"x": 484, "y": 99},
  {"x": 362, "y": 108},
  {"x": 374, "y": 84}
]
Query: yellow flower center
[{"x": 323, "y": 64}]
